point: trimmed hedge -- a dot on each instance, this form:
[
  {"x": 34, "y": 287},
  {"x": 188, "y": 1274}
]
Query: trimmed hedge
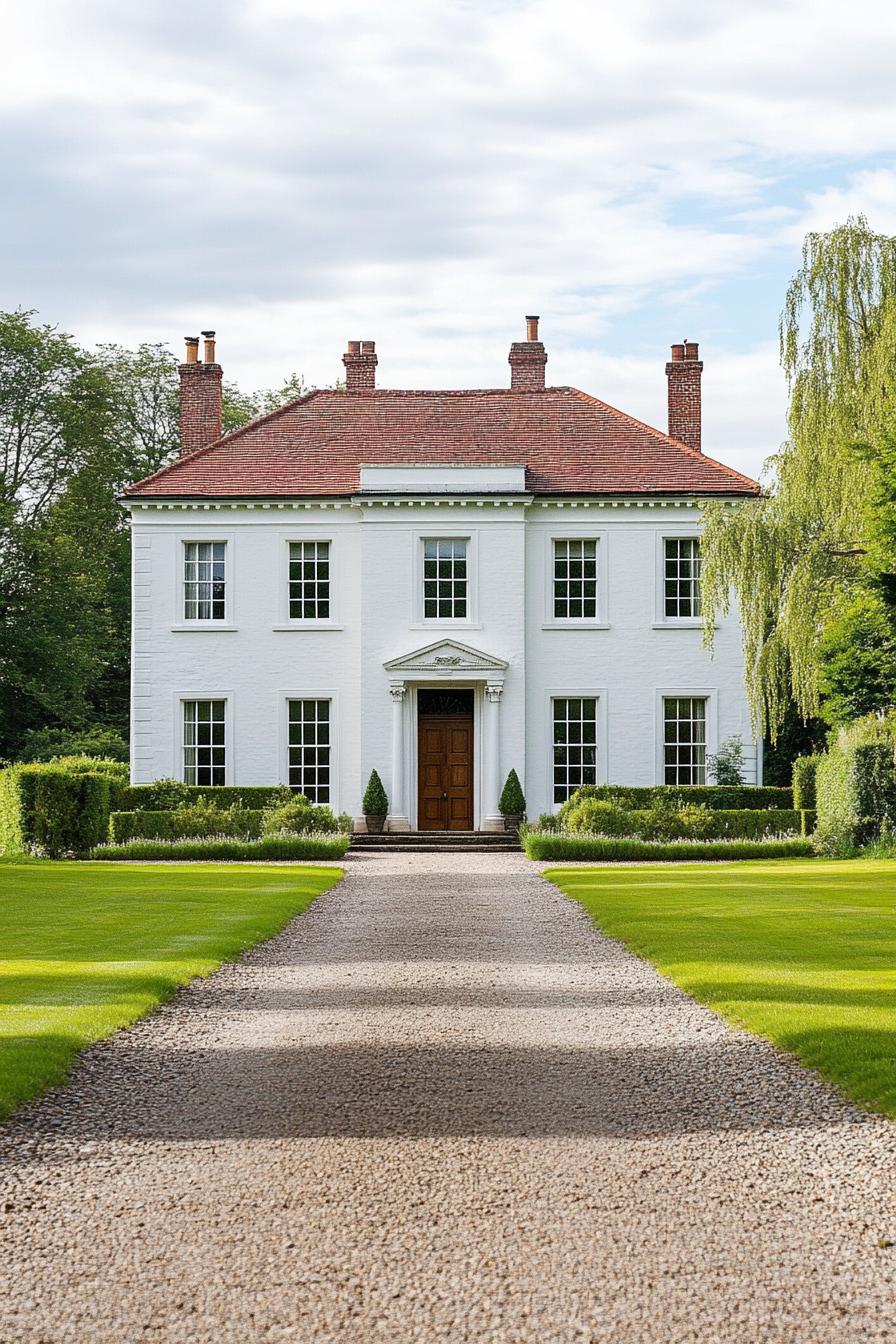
[
  {"x": 142, "y": 797},
  {"x": 226, "y": 847},
  {"x": 548, "y": 845},
  {"x": 719, "y": 797},
  {"x": 61, "y": 807},
  {"x": 807, "y": 820},
  {"x": 804, "y": 772},
  {"x": 732, "y": 824},
  {"x": 855, "y": 794},
  {"x": 125, "y": 826}
]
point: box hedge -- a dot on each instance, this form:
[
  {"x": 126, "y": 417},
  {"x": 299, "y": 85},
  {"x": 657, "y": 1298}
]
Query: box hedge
[
  {"x": 268, "y": 848},
  {"x": 804, "y": 771},
  {"x": 719, "y": 797},
  {"x": 55, "y": 808},
  {"x": 548, "y": 845},
  {"x": 855, "y": 788},
  {"x": 596, "y": 816},
  {"x": 244, "y": 824},
  {"x": 145, "y": 797}
]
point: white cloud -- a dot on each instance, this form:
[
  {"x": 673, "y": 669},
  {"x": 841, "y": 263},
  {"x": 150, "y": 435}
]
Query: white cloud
[{"x": 425, "y": 172}]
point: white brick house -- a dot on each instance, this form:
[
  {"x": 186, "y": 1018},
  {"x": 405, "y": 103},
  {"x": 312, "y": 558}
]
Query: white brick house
[{"x": 438, "y": 585}]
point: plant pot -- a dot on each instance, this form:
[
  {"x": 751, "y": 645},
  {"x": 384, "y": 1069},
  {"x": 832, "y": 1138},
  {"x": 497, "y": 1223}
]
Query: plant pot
[
  {"x": 375, "y": 824},
  {"x": 512, "y": 821}
]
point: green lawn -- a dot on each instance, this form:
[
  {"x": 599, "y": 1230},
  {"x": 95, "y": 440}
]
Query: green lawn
[
  {"x": 88, "y": 947},
  {"x": 801, "y": 952}
]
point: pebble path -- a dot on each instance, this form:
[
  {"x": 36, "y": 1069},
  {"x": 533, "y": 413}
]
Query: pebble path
[{"x": 441, "y": 1107}]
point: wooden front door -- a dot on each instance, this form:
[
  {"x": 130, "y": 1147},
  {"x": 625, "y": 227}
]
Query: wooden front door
[{"x": 445, "y": 772}]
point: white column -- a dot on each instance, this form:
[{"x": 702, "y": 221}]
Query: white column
[
  {"x": 491, "y": 759},
  {"x": 398, "y": 819}
]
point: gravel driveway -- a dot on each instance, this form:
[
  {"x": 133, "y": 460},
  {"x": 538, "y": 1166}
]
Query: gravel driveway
[{"x": 441, "y": 1107}]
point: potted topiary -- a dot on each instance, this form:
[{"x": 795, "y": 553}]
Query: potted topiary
[
  {"x": 512, "y": 804},
  {"x": 375, "y": 805}
]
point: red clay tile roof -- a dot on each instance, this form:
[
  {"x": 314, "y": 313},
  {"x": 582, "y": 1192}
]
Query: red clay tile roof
[{"x": 570, "y": 442}]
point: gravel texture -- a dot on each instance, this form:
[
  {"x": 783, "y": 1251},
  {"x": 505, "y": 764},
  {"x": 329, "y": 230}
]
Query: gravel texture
[{"x": 441, "y": 1107}]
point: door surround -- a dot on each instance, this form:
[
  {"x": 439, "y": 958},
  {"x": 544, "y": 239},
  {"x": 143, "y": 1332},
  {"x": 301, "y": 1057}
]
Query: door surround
[{"x": 462, "y": 668}]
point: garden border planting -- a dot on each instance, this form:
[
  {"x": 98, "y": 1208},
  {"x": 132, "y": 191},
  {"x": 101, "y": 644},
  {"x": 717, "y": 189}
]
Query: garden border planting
[{"x": 556, "y": 847}]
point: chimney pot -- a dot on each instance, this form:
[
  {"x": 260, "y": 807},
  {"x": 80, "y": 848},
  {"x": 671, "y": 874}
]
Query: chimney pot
[
  {"x": 368, "y": 347},
  {"x": 200, "y": 396},
  {"x": 354, "y": 347},
  {"x": 684, "y": 372},
  {"x": 532, "y": 328}
]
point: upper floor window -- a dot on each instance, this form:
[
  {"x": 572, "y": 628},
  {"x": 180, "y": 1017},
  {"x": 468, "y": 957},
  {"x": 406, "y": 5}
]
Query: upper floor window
[
  {"x": 204, "y": 743},
  {"x": 204, "y": 581},
  {"x": 309, "y": 580},
  {"x": 445, "y": 579},
  {"x": 681, "y": 577},
  {"x": 684, "y": 740},
  {"x": 575, "y": 578}
]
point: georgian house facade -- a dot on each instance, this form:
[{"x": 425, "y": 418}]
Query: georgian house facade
[{"x": 440, "y": 586}]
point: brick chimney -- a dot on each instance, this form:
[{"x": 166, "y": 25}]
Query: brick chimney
[
  {"x": 684, "y": 370},
  {"x": 360, "y": 366},
  {"x": 527, "y": 360},
  {"x": 200, "y": 395}
]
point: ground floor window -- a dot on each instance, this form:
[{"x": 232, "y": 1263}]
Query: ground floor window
[
  {"x": 309, "y": 749},
  {"x": 684, "y": 740},
  {"x": 204, "y": 742},
  {"x": 575, "y": 744}
]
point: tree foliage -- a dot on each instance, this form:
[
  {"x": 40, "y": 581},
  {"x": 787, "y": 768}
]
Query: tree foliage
[
  {"x": 796, "y": 558},
  {"x": 75, "y": 427}
]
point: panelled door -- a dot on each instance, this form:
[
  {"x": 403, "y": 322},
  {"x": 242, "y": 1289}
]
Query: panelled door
[{"x": 445, "y": 772}]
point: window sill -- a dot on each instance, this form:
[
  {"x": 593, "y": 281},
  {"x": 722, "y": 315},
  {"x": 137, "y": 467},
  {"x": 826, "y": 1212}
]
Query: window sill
[
  {"x": 686, "y": 623},
  {"x": 204, "y": 627},
  {"x": 308, "y": 625},
  {"x": 575, "y": 625},
  {"x": 445, "y": 624}
]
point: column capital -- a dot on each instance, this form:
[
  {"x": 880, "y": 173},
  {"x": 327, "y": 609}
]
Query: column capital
[
  {"x": 493, "y": 691},
  {"x": 397, "y": 691}
]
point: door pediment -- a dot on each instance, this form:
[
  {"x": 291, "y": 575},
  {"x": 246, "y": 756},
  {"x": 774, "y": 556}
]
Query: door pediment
[{"x": 447, "y": 658}]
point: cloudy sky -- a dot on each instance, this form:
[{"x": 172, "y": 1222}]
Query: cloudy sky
[{"x": 425, "y": 172}]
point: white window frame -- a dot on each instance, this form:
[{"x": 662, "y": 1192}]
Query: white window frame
[
  {"x": 180, "y": 698},
  {"x": 601, "y": 620},
  {"x": 598, "y": 693},
  {"x": 710, "y": 695},
  {"x": 311, "y": 693},
  {"x": 661, "y": 620},
  {"x": 441, "y": 533},
  {"x": 182, "y": 539},
  {"x": 284, "y": 620}
]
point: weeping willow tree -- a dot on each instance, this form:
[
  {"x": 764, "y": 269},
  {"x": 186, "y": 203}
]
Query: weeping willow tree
[{"x": 796, "y": 557}]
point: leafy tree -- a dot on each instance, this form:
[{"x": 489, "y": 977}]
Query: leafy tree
[
  {"x": 797, "y": 558},
  {"x": 76, "y": 427},
  {"x": 858, "y": 661}
]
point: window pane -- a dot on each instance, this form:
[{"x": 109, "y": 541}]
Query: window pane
[
  {"x": 684, "y": 741},
  {"x": 575, "y": 578},
  {"x": 309, "y": 580},
  {"x": 205, "y": 581},
  {"x": 575, "y": 723},
  {"x": 309, "y": 749},
  {"x": 204, "y": 746},
  {"x": 681, "y": 577},
  {"x": 445, "y": 580}
]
